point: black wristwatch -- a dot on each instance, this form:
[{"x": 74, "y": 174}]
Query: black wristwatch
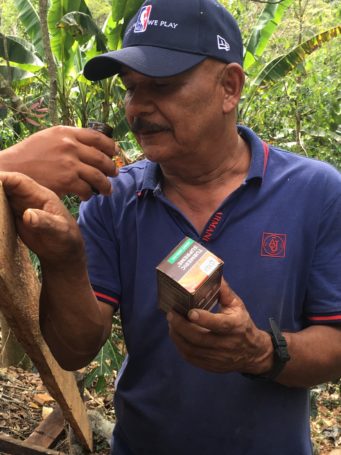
[{"x": 281, "y": 354}]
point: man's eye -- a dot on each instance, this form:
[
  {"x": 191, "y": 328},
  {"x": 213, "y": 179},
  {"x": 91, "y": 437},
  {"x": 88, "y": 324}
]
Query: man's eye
[{"x": 162, "y": 84}]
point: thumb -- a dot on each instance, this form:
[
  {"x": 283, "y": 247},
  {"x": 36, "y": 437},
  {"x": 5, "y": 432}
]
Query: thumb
[
  {"x": 230, "y": 306},
  {"x": 229, "y": 302},
  {"x": 228, "y": 299},
  {"x": 44, "y": 221}
]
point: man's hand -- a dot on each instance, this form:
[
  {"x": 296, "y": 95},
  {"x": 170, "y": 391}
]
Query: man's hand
[
  {"x": 222, "y": 342},
  {"x": 65, "y": 160},
  {"x": 43, "y": 223}
]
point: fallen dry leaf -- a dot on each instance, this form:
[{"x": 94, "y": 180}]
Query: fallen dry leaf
[{"x": 42, "y": 398}]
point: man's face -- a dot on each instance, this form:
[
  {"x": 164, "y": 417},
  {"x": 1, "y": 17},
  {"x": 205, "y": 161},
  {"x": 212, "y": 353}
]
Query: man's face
[{"x": 177, "y": 116}]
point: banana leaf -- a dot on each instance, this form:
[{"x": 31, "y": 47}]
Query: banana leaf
[
  {"x": 267, "y": 23},
  {"x": 20, "y": 53},
  {"x": 29, "y": 18},
  {"x": 16, "y": 74},
  {"x": 61, "y": 40},
  {"x": 122, "y": 12},
  {"x": 26, "y": 44},
  {"x": 282, "y": 65},
  {"x": 82, "y": 27}
]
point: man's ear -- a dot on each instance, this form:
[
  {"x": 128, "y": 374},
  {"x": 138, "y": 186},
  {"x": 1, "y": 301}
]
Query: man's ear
[{"x": 232, "y": 80}]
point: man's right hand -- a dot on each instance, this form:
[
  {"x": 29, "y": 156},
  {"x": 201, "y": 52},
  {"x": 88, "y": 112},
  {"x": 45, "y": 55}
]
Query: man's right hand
[{"x": 65, "y": 159}]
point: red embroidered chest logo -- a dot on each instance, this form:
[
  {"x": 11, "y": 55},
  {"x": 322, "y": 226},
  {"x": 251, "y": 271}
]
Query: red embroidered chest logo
[
  {"x": 213, "y": 226},
  {"x": 274, "y": 245}
]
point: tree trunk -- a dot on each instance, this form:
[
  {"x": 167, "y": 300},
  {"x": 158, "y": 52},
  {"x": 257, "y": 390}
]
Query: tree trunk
[{"x": 51, "y": 65}]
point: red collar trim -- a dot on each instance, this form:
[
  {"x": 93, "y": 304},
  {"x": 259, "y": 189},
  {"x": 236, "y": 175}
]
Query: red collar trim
[{"x": 266, "y": 156}]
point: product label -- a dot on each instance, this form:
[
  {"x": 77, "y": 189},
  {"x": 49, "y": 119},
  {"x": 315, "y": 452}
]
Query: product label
[{"x": 180, "y": 251}]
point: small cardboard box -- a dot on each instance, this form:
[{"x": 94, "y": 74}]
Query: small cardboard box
[{"x": 189, "y": 277}]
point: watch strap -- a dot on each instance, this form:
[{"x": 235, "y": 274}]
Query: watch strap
[{"x": 280, "y": 357}]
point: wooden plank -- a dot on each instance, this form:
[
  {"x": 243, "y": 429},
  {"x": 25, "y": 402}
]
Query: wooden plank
[
  {"x": 48, "y": 430},
  {"x": 19, "y": 302},
  {"x": 11, "y": 446}
]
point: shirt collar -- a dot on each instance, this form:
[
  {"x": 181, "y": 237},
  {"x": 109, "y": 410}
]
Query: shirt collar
[
  {"x": 259, "y": 153},
  {"x": 151, "y": 176}
]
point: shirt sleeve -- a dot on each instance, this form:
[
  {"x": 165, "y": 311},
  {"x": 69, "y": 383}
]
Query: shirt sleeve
[
  {"x": 323, "y": 301},
  {"x": 102, "y": 251}
]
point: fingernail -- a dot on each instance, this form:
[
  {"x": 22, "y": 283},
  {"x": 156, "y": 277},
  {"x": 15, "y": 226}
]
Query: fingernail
[
  {"x": 32, "y": 217},
  {"x": 193, "y": 315}
]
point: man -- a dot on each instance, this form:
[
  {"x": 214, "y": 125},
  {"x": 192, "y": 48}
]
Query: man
[{"x": 214, "y": 382}]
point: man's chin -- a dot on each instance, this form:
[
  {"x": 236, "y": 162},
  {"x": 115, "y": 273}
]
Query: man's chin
[
  {"x": 156, "y": 147},
  {"x": 157, "y": 154}
]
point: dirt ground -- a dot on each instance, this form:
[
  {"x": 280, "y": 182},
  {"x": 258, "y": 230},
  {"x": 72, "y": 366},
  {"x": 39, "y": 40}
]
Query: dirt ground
[{"x": 24, "y": 402}]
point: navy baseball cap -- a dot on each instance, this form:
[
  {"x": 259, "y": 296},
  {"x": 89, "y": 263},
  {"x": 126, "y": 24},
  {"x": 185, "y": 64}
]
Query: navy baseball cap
[{"x": 168, "y": 37}]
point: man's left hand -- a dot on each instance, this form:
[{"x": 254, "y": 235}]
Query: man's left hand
[{"x": 222, "y": 342}]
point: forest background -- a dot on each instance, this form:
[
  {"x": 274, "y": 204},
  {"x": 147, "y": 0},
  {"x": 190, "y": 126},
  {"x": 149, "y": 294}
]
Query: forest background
[{"x": 291, "y": 99}]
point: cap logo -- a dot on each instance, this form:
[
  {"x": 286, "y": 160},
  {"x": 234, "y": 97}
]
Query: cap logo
[
  {"x": 142, "y": 20},
  {"x": 223, "y": 44}
]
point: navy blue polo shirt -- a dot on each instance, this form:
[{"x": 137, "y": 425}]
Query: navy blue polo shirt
[{"x": 279, "y": 236}]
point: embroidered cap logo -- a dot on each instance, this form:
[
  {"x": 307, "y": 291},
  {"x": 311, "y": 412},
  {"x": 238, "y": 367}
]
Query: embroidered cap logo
[
  {"x": 142, "y": 20},
  {"x": 223, "y": 44}
]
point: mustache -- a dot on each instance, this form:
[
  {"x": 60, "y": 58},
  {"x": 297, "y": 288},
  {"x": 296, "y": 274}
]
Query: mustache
[{"x": 140, "y": 125}]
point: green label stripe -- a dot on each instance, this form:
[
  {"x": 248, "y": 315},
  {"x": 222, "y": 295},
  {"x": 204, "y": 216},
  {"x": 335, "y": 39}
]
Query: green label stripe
[{"x": 180, "y": 251}]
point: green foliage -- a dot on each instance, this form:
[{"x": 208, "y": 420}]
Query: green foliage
[
  {"x": 28, "y": 16},
  {"x": 293, "y": 91},
  {"x": 62, "y": 39},
  {"x": 278, "y": 68},
  {"x": 7, "y": 134},
  {"x": 108, "y": 360},
  {"x": 72, "y": 202},
  {"x": 267, "y": 23},
  {"x": 17, "y": 50},
  {"x": 99, "y": 10},
  {"x": 122, "y": 12},
  {"x": 15, "y": 75},
  {"x": 9, "y": 24},
  {"x": 82, "y": 27},
  {"x": 300, "y": 111}
]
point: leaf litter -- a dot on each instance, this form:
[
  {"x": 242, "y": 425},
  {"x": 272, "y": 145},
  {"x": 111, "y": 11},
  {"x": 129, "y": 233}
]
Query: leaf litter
[{"x": 25, "y": 402}]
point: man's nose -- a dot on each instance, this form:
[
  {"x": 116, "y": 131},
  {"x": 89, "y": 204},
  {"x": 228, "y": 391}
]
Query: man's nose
[{"x": 138, "y": 102}]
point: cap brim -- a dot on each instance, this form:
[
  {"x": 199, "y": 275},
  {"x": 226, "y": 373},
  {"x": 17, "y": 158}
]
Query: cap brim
[{"x": 148, "y": 60}]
